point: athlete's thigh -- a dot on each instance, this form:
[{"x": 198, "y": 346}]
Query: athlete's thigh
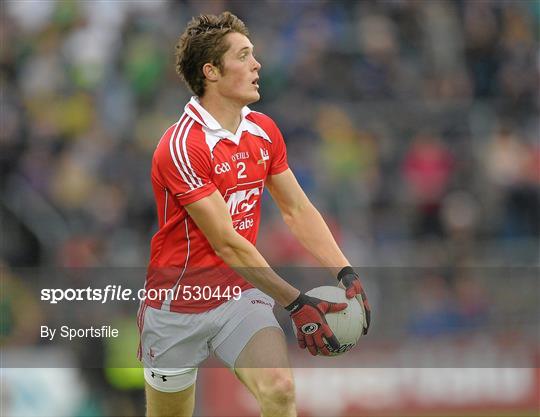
[
  {"x": 264, "y": 360},
  {"x": 240, "y": 323},
  {"x": 266, "y": 349},
  {"x": 170, "y": 404}
]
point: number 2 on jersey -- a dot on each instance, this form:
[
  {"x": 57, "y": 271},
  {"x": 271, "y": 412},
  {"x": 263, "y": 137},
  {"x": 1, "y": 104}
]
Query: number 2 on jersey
[{"x": 241, "y": 169}]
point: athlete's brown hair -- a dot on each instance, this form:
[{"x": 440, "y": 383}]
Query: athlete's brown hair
[{"x": 203, "y": 42}]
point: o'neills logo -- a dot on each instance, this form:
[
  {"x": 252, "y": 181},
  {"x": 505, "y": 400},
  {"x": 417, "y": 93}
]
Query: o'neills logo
[
  {"x": 266, "y": 303},
  {"x": 244, "y": 197}
]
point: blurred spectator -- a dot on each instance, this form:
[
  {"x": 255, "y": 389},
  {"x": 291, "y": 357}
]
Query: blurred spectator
[
  {"x": 512, "y": 168},
  {"x": 434, "y": 311},
  {"x": 472, "y": 301},
  {"x": 349, "y": 167},
  {"x": 460, "y": 214},
  {"x": 481, "y": 37},
  {"x": 427, "y": 168},
  {"x": 17, "y": 329},
  {"x": 124, "y": 373}
]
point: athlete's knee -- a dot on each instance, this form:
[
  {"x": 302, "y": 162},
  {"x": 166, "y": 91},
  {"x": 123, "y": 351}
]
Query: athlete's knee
[
  {"x": 277, "y": 386},
  {"x": 169, "y": 404}
]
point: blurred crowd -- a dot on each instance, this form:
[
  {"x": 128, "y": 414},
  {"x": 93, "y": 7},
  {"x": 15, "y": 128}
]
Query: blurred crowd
[
  {"x": 412, "y": 125},
  {"x": 405, "y": 121}
]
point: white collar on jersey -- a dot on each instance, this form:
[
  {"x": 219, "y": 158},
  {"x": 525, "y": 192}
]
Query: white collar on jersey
[{"x": 213, "y": 130}]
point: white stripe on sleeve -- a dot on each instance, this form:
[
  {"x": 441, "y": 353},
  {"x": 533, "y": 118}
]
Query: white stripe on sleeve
[
  {"x": 184, "y": 157},
  {"x": 181, "y": 123}
]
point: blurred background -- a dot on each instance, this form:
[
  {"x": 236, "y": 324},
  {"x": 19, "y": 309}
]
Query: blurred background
[{"x": 412, "y": 125}]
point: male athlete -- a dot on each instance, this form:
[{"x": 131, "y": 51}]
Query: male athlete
[{"x": 208, "y": 174}]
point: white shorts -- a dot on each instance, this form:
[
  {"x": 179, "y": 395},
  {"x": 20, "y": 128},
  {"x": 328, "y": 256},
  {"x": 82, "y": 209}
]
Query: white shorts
[{"x": 174, "y": 344}]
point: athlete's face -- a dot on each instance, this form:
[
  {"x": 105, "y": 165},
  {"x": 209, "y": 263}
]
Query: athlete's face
[{"x": 239, "y": 80}]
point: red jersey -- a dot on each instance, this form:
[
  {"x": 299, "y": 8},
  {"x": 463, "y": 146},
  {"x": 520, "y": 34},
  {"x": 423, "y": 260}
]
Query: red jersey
[{"x": 194, "y": 158}]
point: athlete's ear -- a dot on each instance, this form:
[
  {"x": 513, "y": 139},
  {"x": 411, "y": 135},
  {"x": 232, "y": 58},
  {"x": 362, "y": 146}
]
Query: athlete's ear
[{"x": 210, "y": 71}]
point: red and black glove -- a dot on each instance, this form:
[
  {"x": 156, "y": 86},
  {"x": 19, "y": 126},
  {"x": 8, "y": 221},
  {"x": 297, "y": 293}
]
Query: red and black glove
[
  {"x": 353, "y": 288},
  {"x": 307, "y": 314}
]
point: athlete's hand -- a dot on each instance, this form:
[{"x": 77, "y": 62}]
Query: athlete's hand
[
  {"x": 307, "y": 314},
  {"x": 353, "y": 288}
]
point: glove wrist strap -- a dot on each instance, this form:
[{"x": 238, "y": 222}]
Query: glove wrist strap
[
  {"x": 296, "y": 304},
  {"x": 345, "y": 271}
]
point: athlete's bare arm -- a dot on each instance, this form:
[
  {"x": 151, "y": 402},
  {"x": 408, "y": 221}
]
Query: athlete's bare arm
[
  {"x": 212, "y": 217},
  {"x": 305, "y": 221}
]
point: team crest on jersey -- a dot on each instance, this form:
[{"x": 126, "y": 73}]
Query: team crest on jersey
[
  {"x": 264, "y": 157},
  {"x": 242, "y": 199}
]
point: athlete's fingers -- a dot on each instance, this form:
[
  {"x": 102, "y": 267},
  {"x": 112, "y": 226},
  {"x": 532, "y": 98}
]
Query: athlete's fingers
[
  {"x": 354, "y": 289},
  {"x": 313, "y": 350},
  {"x": 330, "y": 337},
  {"x": 362, "y": 299},
  {"x": 324, "y": 351},
  {"x": 311, "y": 345},
  {"x": 335, "y": 307},
  {"x": 301, "y": 340},
  {"x": 368, "y": 319},
  {"x": 318, "y": 338}
]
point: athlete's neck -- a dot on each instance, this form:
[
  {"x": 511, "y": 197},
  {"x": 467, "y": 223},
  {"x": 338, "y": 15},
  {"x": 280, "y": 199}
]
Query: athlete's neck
[{"x": 227, "y": 113}]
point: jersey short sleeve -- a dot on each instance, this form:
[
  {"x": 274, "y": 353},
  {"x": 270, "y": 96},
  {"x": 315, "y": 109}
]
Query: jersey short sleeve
[
  {"x": 185, "y": 169},
  {"x": 279, "y": 152}
]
